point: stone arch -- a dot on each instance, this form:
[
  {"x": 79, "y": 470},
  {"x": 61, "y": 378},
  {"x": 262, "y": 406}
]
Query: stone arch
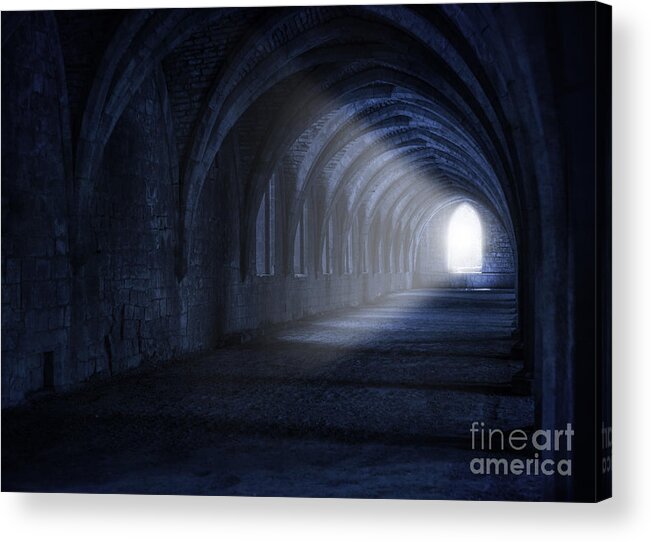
[{"x": 213, "y": 147}]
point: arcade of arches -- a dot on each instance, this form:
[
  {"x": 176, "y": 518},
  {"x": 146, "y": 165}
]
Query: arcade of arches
[{"x": 266, "y": 198}]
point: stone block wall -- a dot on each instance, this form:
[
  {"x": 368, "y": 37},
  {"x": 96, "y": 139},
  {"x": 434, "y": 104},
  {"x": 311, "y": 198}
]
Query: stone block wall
[
  {"x": 128, "y": 306},
  {"x": 36, "y": 278}
]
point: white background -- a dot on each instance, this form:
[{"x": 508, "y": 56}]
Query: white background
[{"x": 625, "y": 517}]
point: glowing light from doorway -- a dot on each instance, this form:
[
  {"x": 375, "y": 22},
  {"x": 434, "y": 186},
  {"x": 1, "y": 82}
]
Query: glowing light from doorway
[{"x": 465, "y": 252}]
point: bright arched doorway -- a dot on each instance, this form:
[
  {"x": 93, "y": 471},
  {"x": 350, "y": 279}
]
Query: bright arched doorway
[{"x": 465, "y": 241}]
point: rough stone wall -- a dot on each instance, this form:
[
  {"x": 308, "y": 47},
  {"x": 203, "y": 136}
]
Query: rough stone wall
[
  {"x": 498, "y": 254},
  {"x": 84, "y": 36},
  {"x": 191, "y": 69},
  {"x": 36, "y": 289},
  {"x": 132, "y": 310},
  {"x": 123, "y": 306},
  {"x": 214, "y": 257}
]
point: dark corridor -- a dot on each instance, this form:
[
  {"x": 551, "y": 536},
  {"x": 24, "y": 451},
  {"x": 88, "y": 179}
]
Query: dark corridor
[
  {"x": 227, "y": 253},
  {"x": 369, "y": 402}
]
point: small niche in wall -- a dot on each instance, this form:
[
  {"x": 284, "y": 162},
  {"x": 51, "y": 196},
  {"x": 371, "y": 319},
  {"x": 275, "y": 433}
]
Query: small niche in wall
[{"x": 48, "y": 370}]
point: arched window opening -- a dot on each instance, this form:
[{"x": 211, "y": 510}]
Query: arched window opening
[
  {"x": 265, "y": 232},
  {"x": 376, "y": 248},
  {"x": 378, "y": 254},
  {"x": 396, "y": 250},
  {"x": 300, "y": 244},
  {"x": 327, "y": 252},
  {"x": 465, "y": 252},
  {"x": 406, "y": 264},
  {"x": 348, "y": 253}
]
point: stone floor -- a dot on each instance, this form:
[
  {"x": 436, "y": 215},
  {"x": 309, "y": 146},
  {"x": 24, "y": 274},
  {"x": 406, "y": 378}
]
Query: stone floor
[{"x": 367, "y": 402}]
